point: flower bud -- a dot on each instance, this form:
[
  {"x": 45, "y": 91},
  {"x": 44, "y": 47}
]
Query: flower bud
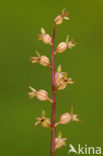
[
  {"x": 59, "y": 19},
  {"x": 65, "y": 118},
  {"x": 44, "y": 61},
  {"x": 62, "y": 47},
  {"x": 42, "y": 95},
  {"x": 59, "y": 141},
  {"x": 45, "y": 37}
]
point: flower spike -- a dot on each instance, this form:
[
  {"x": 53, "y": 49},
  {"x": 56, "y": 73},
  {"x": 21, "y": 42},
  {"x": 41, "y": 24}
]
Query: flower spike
[
  {"x": 45, "y": 37},
  {"x": 41, "y": 95},
  {"x": 59, "y": 81},
  {"x": 59, "y": 19}
]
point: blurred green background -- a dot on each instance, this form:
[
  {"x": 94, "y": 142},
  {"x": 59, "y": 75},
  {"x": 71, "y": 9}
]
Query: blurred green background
[{"x": 20, "y": 22}]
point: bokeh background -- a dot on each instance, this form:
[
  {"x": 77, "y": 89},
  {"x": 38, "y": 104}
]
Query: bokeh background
[{"x": 20, "y": 22}]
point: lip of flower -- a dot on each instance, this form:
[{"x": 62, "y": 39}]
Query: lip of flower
[
  {"x": 61, "y": 84},
  {"x": 35, "y": 59},
  {"x": 44, "y": 121},
  {"x": 61, "y": 79},
  {"x": 71, "y": 44},
  {"x": 74, "y": 118},
  {"x": 59, "y": 142}
]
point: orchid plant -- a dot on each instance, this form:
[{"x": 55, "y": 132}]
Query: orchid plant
[{"x": 60, "y": 80}]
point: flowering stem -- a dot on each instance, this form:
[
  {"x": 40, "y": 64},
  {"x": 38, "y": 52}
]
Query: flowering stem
[{"x": 53, "y": 130}]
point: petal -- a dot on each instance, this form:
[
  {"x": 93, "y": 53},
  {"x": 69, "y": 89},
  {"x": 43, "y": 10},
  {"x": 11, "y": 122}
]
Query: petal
[
  {"x": 70, "y": 81},
  {"x": 59, "y": 134},
  {"x": 66, "y": 18},
  {"x": 63, "y": 11},
  {"x": 37, "y": 123},
  {"x": 38, "y": 54},
  {"x": 59, "y": 69},
  {"x": 43, "y": 113},
  {"x": 32, "y": 89},
  {"x": 43, "y": 31},
  {"x": 67, "y": 39}
]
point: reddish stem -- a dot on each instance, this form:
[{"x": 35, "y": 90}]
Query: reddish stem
[{"x": 53, "y": 131}]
